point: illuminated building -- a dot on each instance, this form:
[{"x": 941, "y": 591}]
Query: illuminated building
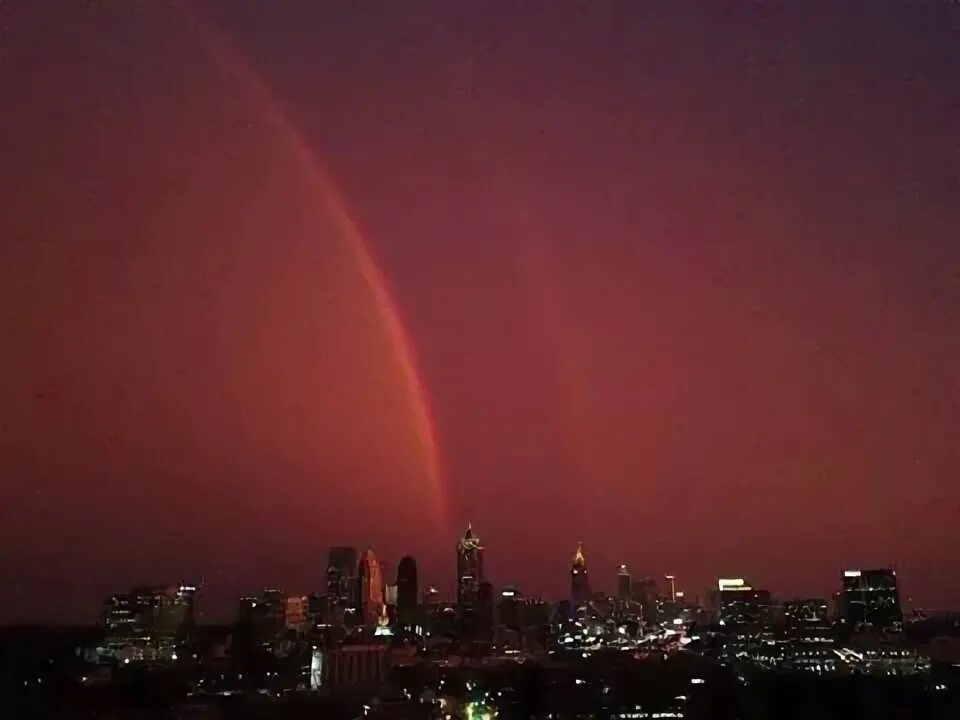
[
  {"x": 149, "y": 622},
  {"x": 469, "y": 568},
  {"x": 579, "y": 579},
  {"x": 296, "y": 613},
  {"x": 370, "y": 588},
  {"x": 623, "y": 583},
  {"x": 807, "y": 620},
  {"x": 383, "y": 622},
  {"x": 808, "y": 642},
  {"x": 317, "y": 668},
  {"x": 738, "y": 603},
  {"x": 869, "y": 601},
  {"x": 744, "y": 613},
  {"x": 407, "y": 600},
  {"x": 342, "y": 574}
]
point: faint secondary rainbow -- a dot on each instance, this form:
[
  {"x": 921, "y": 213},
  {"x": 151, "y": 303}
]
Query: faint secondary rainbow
[{"x": 349, "y": 230}]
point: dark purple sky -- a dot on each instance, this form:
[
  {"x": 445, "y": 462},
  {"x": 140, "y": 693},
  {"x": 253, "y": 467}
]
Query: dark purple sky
[{"x": 683, "y": 280}]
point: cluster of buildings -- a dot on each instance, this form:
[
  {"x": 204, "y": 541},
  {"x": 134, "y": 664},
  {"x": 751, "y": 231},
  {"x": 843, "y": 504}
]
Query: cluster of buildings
[
  {"x": 863, "y": 634},
  {"x": 147, "y": 624},
  {"x": 365, "y": 622}
]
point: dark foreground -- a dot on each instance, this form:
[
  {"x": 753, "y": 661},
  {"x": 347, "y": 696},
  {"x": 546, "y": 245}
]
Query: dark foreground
[{"x": 42, "y": 678}]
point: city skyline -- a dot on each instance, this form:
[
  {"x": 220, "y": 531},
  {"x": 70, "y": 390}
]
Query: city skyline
[
  {"x": 677, "y": 280},
  {"x": 365, "y": 591}
]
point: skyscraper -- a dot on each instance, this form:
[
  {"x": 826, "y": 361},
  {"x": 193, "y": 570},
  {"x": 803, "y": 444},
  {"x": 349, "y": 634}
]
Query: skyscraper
[
  {"x": 342, "y": 574},
  {"x": 469, "y": 568},
  {"x": 510, "y": 608},
  {"x": 869, "y": 601},
  {"x": 370, "y": 588},
  {"x": 407, "y": 591},
  {"x": 807, "y": 620},
  {"x": 740, "y": 605},
  {"x": 579, "y": 580},
  {"x": 623, "y": 583}
]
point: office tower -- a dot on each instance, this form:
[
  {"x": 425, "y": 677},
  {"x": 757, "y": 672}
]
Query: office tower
[
  {"x": 149, "y": 619},
  {"x": 623, "y": 583},
  {"x": 370, "y": 588},
  {"x": 807, "y": 642},
  {"x": 509, "y": 608},
  {"x": 579, "y": 579},
  {"x": 807, "y": 620},
  {"x": 173, "y": 616},
  {"x": 739, "y": 605},
  {"x": 127, "y": 618},
  {"x": 342, "y": 574},
  {"x": 260, "y": 620},
  {"x": 869, "y": 601},
  {"x": 407, "y": 599},
  {"x": 469, "y": 568}
]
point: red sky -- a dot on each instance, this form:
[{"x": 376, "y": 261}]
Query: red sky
[{"x": 682, "y": 279}]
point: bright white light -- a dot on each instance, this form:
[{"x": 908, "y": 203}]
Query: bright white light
[
  {"x": 851, "y": 573},
  {"x": 697, "y": 681},
  {"x": 725, "y": 583}
]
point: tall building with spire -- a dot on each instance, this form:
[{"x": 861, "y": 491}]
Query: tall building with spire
[
  {"x": 469, "y": 568},
  {"x": 579, "y": 579},
  {"x": 370, "y": 588}
]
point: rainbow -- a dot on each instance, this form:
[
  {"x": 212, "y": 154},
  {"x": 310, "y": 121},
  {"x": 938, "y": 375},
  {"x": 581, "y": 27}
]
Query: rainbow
[{"x": 349, "y": 230}]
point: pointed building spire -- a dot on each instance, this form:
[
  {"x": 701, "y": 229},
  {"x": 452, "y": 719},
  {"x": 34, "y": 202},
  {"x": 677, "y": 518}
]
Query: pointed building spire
[
  {"x": 579, "y": 582},
  {"x": 469, "y": 567}
]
